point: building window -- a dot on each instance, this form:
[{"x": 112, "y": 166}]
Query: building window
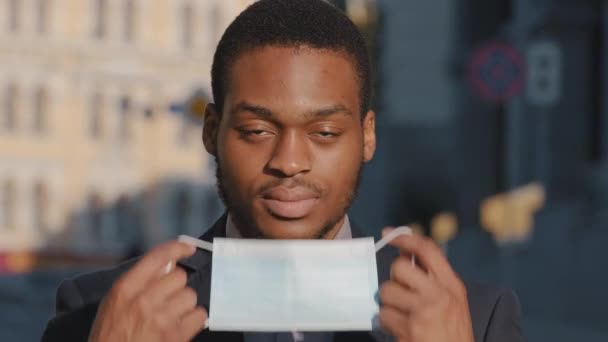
[
  {"x": 95, "y": 215},
  {"x": 11, "y": 98},
  {"x": 124, "y": 119},
  {"x": 100, "y": 12},
  {"x": 13, "y": 13},
  {"x": 40, "y": 110},
  {"x": 42, "y": 8},
  {"x": 96, "y": 116},
  {"x": 129, "y": 28},
  {"x": 40, "y": 207},
  {"x": 187, "y": 29},
  {"x": 9, "y": 198}
]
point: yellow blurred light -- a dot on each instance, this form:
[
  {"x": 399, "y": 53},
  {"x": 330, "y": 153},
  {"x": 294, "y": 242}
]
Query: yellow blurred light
[
  {"x": 444, "y": 227},
  {"x": 509, "y": 216},
  {"x": 197, "y": 106},
  {"x": 20, "y": 262},
  {"x": 358, "y": 11}
]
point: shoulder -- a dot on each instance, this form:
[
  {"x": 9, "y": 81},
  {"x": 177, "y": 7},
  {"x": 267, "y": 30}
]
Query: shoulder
[
  {"x": 88, "y": 288},
  {"x": 77, "y": 301},
  {"x": 495, "y": 313}
]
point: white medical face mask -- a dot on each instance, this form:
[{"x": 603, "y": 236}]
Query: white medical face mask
[{"x": 293, "y": 285}]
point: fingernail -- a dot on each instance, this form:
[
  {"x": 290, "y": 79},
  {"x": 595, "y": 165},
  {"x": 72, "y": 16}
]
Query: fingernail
[
  {"x": 168, "y": 267},
  {"x": 386, "y": 230},
  {"x": 206, "y": 325}
]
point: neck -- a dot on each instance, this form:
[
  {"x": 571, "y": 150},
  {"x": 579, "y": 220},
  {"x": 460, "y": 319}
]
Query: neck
[{"x": 333, "y": 231}]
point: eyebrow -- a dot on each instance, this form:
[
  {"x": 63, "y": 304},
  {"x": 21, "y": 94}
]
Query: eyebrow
[
  {"x": 328, "y": 111},
  {"x": 267, "y": 113},
  {"x": 248, "y": 107}
]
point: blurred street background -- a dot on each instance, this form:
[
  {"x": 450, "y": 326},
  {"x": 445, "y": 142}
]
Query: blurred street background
[{"x": 492, "y": 119}]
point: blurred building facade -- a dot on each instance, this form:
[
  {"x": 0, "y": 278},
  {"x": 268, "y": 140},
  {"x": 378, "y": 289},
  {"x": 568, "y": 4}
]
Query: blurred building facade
[{"x": 90, "y": 150}]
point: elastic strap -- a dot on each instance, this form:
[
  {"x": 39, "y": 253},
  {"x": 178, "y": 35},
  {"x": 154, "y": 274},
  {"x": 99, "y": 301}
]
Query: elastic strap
[
  {"x": 403, "y": 230},
  {"x": 208, "y": 246}
]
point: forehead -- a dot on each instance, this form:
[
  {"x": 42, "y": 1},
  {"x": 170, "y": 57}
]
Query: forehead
[{"x": 287, "y": 76}]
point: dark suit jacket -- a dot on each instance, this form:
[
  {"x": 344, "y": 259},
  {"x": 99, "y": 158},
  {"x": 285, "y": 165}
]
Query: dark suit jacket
[{"x": 495, "y": 313}]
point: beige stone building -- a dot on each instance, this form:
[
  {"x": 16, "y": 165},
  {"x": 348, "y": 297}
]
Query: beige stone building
[{"x": 87, "y": 133}]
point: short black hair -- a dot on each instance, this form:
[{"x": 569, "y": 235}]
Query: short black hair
[{"x": 313, "y": 23}]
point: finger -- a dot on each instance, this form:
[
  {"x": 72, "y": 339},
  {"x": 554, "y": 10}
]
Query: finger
[
  {"x": 193, "y": 323},
  {"x": 395, "y": 323},
  {"x": 161, "y": 290},
  {"x": 168, "y": 268},
  {"x": 181, "y": 303},
  {"x": 153, "y": 262},
  {"x": 427, "y": 254},
  {"x": 411, "y": 276},
  {"x": 387, "y": 230},
  {"x": 394, "y": 295}
]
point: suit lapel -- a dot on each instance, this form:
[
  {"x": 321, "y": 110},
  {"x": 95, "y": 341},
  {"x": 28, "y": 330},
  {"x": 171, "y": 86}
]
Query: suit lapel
[{"x": 198, "y": 267}]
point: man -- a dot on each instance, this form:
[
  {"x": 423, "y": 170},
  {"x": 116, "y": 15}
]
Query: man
[{"x": 290, "y": 129}]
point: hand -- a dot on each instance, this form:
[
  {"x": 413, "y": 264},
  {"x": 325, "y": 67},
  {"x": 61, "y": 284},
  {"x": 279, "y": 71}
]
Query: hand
[
  {"x": 151, "y": 301},
  {"x": 425, "y": 302}
]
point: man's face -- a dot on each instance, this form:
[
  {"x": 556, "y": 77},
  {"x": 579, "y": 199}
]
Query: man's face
[{"x": 290, "y": 141}]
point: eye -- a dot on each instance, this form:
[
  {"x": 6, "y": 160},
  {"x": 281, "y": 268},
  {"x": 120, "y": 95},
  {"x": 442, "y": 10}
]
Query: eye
[
  {"x": 256, "y": 132},
  {"x": 327, "y": 134}
]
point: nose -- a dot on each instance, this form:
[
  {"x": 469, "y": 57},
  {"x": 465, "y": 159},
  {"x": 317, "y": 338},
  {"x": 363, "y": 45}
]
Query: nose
[{"x": 291, "y": 155}]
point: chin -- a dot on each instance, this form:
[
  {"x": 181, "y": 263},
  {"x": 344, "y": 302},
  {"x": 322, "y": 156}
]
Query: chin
[{"x": 277, "y": 228}]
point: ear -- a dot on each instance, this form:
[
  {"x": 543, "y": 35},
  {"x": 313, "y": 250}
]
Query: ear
[
  {"x": 369, "y": 136},
  {"x": 210, "y": 128}
]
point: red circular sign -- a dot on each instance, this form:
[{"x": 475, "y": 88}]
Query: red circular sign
[{"x": 497, "y": 71}]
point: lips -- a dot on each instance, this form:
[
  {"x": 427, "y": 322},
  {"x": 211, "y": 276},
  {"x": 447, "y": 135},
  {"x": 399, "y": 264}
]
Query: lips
[{"x": 289, "y": 203}]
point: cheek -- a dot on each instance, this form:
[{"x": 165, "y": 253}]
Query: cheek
[
  {"x": 241, "y": 164},
  {"x": 340, "y": 168}
]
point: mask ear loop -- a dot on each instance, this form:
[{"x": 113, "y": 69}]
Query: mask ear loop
[
  {"x": 403, "y": 230},
  {"x": 206, "y": 245}
]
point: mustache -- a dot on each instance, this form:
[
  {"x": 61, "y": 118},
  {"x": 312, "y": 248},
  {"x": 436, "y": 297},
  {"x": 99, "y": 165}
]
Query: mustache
[{"x": 291, "y": 183}]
